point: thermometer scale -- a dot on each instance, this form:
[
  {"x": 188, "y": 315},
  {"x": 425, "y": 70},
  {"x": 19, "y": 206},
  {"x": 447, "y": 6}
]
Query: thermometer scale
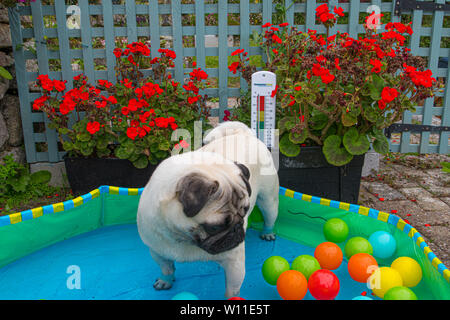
[{"x": 263, "y": 106}]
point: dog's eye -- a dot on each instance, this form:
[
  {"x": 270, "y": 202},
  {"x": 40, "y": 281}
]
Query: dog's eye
[{"x": 213, "y": 229}]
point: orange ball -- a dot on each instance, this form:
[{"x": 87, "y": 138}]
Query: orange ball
[
  {"x": 329, "y": 255},
  {"x": 292, "y": 285},
  {"x": 361, "y": 266}
]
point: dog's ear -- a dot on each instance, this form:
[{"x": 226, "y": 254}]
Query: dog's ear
[
  {"x": 194, "y": 191},
  {"x": 245, "y": 174}
]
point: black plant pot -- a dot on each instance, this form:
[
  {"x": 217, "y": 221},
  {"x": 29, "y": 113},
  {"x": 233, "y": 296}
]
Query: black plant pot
[
  {"x": 85, "y": 175},
  {"x": 311, "y": 174}
]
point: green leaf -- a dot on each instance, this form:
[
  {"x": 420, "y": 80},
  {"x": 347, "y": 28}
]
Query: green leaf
[
  {"x": 84, "y": 137},
  {"x": 381, "y": 144},
  {"x": 42, "y": 176},
  {"x": 318, "y": 121},
  {"x": 122, "y": 153},
  {"x": 446, "y": 167},
  {"x": 370, "y": 113},
  {"x": 123, "y": 138},
  {"x": 334, "y": 152},
  {"x": 298, "y": 138},
  {"x": 141, "y": 162},
  {"x": 288, "y": 148},
  {"x": 164, "y": 145},
  {"x": 102, "y": 153},
  {"x": 376, "y": 87},
  {"x": 348, "y": 120},
  {"x": 63, "y": 130},
  {"x": 154, "y": 147},
  {"x": 5, "y": 74},
  {"x": 286, "y": 124},
  {"x": 102, "y": 143},
  {"x": 355, "y": 143},
  {"x": 68, "y": 146},
  {"x": 87, "y": 151}
]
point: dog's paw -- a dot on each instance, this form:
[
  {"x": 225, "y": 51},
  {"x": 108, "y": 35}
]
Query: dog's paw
[
  {"x": 162, "y": 285},
  {"x": 268, "y": 236},
  {"x": 164, "y": 282}
]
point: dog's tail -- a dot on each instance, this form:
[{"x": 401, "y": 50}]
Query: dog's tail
[{"x": 227, "y": 128}]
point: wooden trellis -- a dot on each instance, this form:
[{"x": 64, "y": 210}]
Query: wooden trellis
[{"x": 42, "y": 146}]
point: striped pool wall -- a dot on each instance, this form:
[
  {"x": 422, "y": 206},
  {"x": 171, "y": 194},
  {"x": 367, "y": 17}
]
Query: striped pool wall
[{"x": 375, "y": 214}]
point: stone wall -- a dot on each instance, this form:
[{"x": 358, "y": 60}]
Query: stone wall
[{"x": 11, "y": 134}]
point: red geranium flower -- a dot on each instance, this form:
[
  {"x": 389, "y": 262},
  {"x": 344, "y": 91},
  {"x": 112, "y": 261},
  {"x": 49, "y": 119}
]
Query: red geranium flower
[
  {"x": 389, "y": 94},
  {"x": 376, "y": 65},
  {"x": 93, "y": 127},
  {"x": 132, "y": 133}
]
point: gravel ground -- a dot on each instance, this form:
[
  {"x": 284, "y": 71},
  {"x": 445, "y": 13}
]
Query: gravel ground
[{"x": 418, "y": 191}]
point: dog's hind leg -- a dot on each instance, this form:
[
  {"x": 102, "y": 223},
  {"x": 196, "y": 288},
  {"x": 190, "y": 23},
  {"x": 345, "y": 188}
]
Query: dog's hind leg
[
  {"x": 267, "y": 202},
  {"x": 167, "y": 277}
]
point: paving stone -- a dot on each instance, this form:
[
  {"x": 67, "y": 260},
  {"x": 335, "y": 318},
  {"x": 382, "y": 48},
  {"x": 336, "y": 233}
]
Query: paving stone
[
  {"x": 382, "y": 190},
  {"x": 439, "y": 192},
  {"x": 440, "y": 175},
  {"x": 425, "y": 199},
  {"x": 420, "y": 218},
  {"x": 446, "y": 200}
]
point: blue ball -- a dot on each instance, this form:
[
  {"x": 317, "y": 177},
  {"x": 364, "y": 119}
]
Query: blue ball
[
  {"x": 185, "y": 296},
  {"x": 383, "y": 244},
  {"x": 362, "y": 298}
]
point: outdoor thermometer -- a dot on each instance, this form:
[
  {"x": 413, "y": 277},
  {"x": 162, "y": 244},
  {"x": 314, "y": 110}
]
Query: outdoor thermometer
[{"x": 263, "y": 106}]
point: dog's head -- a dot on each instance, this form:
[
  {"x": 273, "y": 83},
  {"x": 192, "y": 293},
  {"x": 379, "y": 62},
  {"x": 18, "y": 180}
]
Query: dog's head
[{"x": 217, "y": 205}]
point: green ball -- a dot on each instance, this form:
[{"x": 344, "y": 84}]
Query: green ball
[
  {"x": 335, "y": 230},
  {"x": 273, "y": 267},
  {"x": 306, "y": 264},
  {"x": 400, "y": 293},
  {"x": 357, "y": 245}
]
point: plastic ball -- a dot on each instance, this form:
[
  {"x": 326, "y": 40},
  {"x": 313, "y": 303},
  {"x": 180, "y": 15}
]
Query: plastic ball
[
  {"x": 335, "y": 230},
  {"x": 400, "y": 293},
  {"x": 362, "y": 298},
  {"x": 306, "y": 264},
  {"x": 357, "y": 245},
  {"x": 273, "y": 267},
  {"x": 409, "y": 269},
  {"x": 292, "y": 285},
  {"x": 236, "y": 298},
  {"x": 383, "y": 244},
  {"x": 185, "y": 296},
  {"x": 361, "y": 266},
  {"x": 329, "y": 255},
  {"x": 323, "y": 285},
  {"x": 383, "y": 279}
]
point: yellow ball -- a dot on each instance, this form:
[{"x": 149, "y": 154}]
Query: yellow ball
[
  {"x": 383, "y": 279},
  {"x": 409, "y": 269}
]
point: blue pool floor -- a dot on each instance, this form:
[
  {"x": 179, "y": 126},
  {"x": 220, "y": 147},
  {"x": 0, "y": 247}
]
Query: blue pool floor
[{"x": 113, "y": 263}]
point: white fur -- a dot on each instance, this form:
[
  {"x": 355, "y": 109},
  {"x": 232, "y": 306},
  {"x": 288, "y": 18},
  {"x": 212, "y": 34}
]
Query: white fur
[{"x": 164, "y": 227}]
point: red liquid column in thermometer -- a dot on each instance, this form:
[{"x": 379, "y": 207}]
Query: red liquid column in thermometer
[{"x": 261, "y": 104}]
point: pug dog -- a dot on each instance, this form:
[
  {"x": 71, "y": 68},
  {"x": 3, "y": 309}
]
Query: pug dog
[{"x": 196, "y": 204}]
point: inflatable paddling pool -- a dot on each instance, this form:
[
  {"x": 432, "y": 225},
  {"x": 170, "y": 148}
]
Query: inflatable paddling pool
[{"x": 95, "y": 237}]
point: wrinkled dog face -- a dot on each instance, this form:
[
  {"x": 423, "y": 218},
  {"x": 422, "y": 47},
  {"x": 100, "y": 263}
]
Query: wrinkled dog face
[{"x": 218, "y": 209}]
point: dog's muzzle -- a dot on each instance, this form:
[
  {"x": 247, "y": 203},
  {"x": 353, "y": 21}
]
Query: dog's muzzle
[{"x": 225, "y": 240}]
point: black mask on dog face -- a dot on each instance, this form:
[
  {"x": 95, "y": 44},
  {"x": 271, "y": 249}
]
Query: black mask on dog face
[{"x": 223, "y": 237}]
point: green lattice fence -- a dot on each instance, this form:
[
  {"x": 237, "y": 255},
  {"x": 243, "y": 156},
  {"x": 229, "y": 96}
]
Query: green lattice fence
[{"x": 41, "y": 36}]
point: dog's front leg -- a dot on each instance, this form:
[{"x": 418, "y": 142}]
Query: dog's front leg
[
  {"x": 167, "y": 277},
  {"x": 234, "y": 267}
]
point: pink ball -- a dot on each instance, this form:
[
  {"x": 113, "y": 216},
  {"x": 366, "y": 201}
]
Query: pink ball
[{"x": 323, "y": 285}]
